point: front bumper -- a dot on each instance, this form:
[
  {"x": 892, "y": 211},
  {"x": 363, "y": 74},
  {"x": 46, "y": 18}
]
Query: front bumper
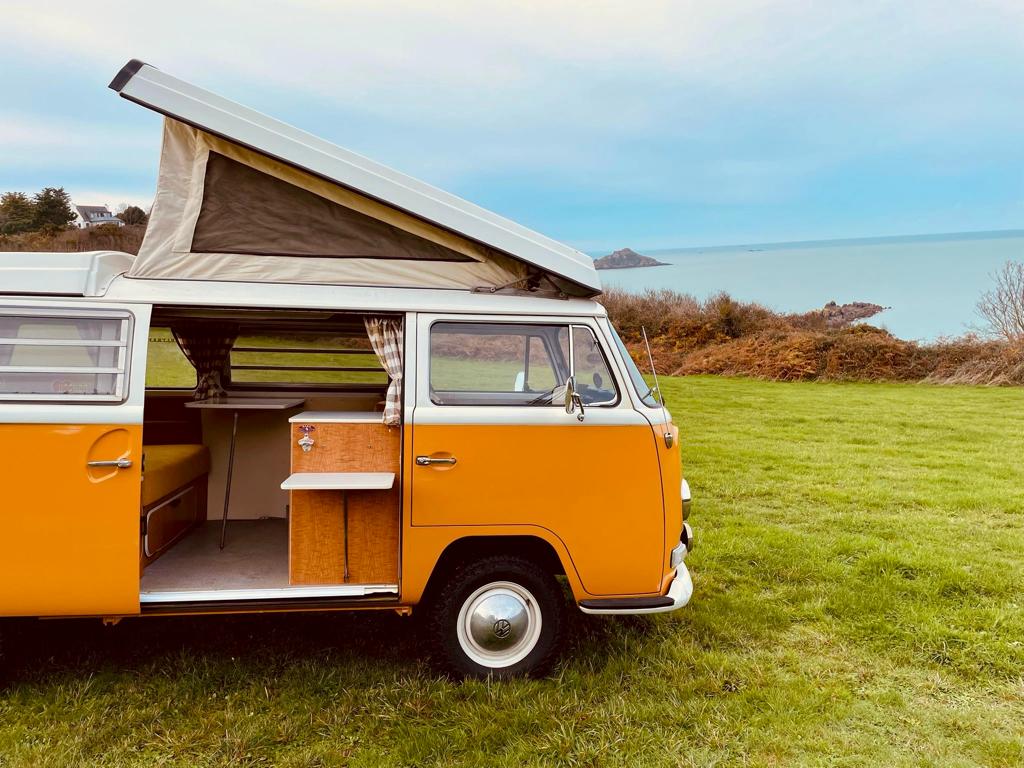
[{"x": 679, "y": 592}]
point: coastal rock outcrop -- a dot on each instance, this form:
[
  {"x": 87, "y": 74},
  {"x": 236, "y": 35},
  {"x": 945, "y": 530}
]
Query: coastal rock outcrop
[{"x": 626, "y": 258}]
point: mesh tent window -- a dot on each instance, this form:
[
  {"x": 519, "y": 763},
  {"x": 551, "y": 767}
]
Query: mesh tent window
[{"x": 247, "y": 211}]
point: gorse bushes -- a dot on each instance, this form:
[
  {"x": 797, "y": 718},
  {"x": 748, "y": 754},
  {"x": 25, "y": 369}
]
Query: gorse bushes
[
  {"x": 723, "y": 336},
  {"x": 107, "y": 237}
]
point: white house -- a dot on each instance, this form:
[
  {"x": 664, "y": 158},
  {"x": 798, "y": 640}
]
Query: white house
[{"x": 93, "y": 215}]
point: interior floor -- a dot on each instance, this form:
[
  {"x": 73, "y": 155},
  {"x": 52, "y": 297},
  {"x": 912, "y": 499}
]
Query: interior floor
[{"x": 255, "y": 557}]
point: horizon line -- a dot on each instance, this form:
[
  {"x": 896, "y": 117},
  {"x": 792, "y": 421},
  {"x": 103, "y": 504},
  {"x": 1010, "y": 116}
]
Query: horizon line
[{"x": 979, "y": 234}]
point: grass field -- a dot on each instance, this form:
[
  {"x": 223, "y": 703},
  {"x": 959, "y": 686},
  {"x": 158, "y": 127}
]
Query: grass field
[{"x": 859, "y": 583}]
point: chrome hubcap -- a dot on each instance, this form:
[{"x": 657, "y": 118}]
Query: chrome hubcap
[{"x": 499, "y": 624}]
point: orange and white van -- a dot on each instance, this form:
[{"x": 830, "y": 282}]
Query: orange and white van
[{"x": 323, "y": 385}]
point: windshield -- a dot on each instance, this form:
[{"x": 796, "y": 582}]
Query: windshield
[{"x": 643, "y": 389}]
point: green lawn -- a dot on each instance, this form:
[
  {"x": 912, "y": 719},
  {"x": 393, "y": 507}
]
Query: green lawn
[{"x": 859, "y": 578}]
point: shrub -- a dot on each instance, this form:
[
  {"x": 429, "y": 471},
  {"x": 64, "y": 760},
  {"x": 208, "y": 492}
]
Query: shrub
[
  {"x": 723, "y": 336},
  {"x": 1002, "y": 307},
  {"x": 107, "y": 237}
]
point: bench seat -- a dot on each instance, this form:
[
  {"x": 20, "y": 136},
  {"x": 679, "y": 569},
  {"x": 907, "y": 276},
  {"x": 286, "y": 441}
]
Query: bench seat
[{"x": 166, "y": 468}]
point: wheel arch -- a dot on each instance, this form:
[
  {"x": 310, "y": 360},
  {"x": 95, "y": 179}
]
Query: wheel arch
[{"x": 472, "y": 547}]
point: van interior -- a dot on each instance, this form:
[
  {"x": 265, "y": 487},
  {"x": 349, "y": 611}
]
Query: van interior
[{"x": 268, "y": 471}]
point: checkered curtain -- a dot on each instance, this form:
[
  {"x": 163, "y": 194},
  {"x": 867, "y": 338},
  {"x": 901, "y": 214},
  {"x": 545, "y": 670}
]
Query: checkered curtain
[
  {"x": 208, "y": 347},
  {"x": 386, "y": 338}
]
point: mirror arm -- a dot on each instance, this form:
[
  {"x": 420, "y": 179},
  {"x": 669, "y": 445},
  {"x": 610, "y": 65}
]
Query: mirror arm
[{"x": 572, "y": 398}]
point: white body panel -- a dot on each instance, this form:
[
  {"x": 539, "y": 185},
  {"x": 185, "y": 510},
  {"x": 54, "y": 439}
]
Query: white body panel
[
  {"x": 98, "y": 275},
  {"x": 75, "y": 274},
  {"x": 68, "y": 411}
]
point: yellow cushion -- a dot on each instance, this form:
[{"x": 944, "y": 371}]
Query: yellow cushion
[{"x": 166, "y": 468}]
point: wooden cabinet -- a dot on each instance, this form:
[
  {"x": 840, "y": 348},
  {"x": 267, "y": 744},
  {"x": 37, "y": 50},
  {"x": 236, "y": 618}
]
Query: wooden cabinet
[
  {"x": 344, "y": 443},
  {"x": 346, "y": 446}
]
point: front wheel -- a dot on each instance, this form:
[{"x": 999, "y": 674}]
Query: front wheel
[{"x": 499, "y": 617}]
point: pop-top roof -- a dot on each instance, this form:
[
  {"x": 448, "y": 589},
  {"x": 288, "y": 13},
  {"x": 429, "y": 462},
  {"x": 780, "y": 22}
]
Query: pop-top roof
[{"x": 212, "y": 114}]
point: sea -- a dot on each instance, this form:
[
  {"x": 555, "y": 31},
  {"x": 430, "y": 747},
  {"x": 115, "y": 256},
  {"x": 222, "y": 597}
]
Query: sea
[{"x": 929, "y": 284}]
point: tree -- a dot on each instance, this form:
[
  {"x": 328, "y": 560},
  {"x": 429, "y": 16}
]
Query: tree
[
  {"x": 1002, "y": 307},
  {"x": 53, "y": 208},
  {"x": 133, "y": 215},
  {"x": 17, "y": 213}
]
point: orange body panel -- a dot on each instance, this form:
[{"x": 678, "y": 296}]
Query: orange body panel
[
  {"x": 594, "y": 492},
  {"x": 69, "y": 534},
  {"x": 671, "y": 480}
]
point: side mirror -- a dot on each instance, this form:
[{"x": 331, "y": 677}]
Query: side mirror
[{"x": 572, "y": 398}]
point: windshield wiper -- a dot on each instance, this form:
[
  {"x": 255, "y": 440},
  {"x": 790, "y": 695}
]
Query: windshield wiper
[{"x": 544, "y": 398}]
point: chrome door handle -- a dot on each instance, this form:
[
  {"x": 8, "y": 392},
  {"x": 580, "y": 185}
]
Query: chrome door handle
[
  {"x": 426, "y": 461},
  {"x": 119, "y": 463}
]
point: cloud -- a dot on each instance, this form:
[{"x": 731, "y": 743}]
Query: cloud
[
  {"x": 668, "y": 102},
  {"x": 38, "y": 142}
]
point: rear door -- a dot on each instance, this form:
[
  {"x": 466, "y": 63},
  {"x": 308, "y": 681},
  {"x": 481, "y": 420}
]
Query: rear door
[
  {"x": 72, "y": 385},
  {"x": 494, "y": 446}
]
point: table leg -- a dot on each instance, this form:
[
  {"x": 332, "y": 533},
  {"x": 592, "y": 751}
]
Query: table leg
[
  {"x": 344, "y": 507},
  {"x": 227, "y": 486}
]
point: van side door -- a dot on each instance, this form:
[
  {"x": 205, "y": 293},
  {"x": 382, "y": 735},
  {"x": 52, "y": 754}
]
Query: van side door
[{"x": 72, "y": 386}]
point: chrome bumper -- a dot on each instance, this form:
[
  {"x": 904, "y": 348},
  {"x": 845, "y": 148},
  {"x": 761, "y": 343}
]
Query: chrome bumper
[{"x": 679, "y": 591}]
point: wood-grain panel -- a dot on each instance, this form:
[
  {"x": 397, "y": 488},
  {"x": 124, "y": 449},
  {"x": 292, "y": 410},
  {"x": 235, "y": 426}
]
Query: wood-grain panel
[
  {"x": 317, "y": 544},
  {"x": 373, "y": 536},
  {"x": 348, "y": 448},
  {"x": 316, "y": 541}
]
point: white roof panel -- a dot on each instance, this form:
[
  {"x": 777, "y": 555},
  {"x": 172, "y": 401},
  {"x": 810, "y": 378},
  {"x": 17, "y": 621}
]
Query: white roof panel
[
  {"x": 341, "y": 298},
  {"x": 65, "y": 274},
  {"x": 148, "y": 86}
]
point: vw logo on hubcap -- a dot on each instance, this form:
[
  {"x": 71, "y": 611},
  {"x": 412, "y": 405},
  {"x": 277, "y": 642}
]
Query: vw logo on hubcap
[{"x": 502, "y": 628}]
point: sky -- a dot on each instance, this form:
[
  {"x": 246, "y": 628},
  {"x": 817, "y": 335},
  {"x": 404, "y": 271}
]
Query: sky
[{"x": 602, "y": 124}]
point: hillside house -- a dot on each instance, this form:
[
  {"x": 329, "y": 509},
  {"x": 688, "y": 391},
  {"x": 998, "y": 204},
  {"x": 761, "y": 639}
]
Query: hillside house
[{"x": 94, "y": 215}]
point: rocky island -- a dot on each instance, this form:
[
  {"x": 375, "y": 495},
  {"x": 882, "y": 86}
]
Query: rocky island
[
  {"x": 842, "y": 315},
  {"x": 626, "y": 258}
]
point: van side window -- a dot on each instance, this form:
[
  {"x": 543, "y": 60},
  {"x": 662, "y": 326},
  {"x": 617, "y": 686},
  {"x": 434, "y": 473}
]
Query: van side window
[
  {"x": 593, "y": 378},
  {"x": 166, "y": 366},
  {"x": 498, "y": 363},
  {"x": 56, "y": 355},
  {"x": 305, "y": 359}
]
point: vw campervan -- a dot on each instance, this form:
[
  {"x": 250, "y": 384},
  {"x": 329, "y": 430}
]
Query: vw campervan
[{"x": 323, "y": 385}]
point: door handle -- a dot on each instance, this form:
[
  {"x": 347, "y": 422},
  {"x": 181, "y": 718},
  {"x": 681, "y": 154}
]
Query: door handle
[
  {"x": 119, "y": 463},
  {"x": 426, "y": 461}
]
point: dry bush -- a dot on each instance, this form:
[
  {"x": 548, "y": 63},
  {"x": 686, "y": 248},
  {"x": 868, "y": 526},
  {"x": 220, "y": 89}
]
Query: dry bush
[
  {"x": 689, "y": 324},
  {"x": 972, "y": 361},
  {"x": 864, "y": 352},
  {"x": 775, "y": 355},
  {"x": 657, "y": 311},
  {"x": 723, "y": 336},
  {"x": 861, "y": 353},
  {"x": 1002, "y": 307},
  {"x": 108, "y": 237}
]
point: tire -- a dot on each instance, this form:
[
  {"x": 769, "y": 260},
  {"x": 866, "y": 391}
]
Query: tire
[{"x": 500, "y": 617}]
